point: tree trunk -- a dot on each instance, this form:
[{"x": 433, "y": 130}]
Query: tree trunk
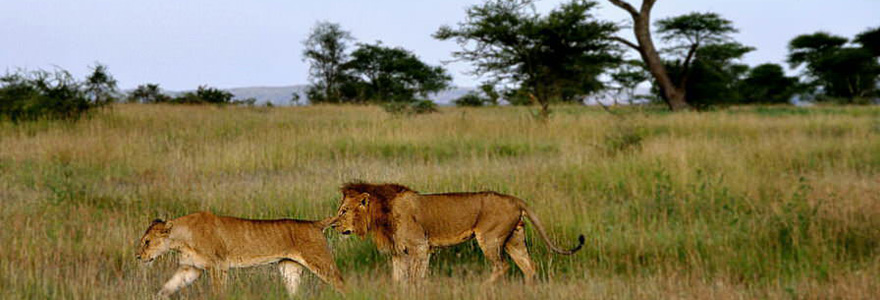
[{"x": 671, "y": 93}]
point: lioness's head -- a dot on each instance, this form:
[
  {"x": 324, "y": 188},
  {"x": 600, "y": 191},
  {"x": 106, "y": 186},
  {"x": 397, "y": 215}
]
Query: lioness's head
[
  {"x": 155, "y": 241},
  {"x": 353, "y": 216}
]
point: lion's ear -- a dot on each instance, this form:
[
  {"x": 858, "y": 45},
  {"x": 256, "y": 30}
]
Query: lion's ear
[
  {"x": 167, "y": 228},
  {"x": 365, "y": 199}
]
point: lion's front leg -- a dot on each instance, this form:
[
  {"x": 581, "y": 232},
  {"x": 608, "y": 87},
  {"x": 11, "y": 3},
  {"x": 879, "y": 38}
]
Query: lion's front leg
[
  {"x": 219, "y": 276},
  {"x": 398, "y": 268},
  {"x": 411, "y": 252},
  {"x": 410, "y": 266},
  {"x": 420, "y": 261},
  {"x": 183, "y": 277}
]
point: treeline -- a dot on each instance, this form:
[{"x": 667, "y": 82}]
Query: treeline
[
  {"x": 26, "y": 96},
  {"x": 371, "y": 73},
  {"x": 564, "y": 56},
  {"x": 57, "y": 95},
  {"x": 568, "y": 56}
]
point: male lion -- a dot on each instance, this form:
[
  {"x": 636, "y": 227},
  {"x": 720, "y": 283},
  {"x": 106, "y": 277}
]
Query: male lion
[
  {"x": 216, "y": 243},
  {"x": 408, "y": 224}
]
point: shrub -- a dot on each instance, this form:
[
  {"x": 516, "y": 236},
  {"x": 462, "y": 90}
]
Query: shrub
[
  {"x": 249, "y": 102},
  {"x": 28, "y": 96},
  {"x": 204, "y": 95},
  {"x": 470, "y": 99},
  {"x": 623, "y": 138},
  {"x": 414, "y": 108},
  {"x": 148, "y": 93},
  {"x": 423, "y": 107}
]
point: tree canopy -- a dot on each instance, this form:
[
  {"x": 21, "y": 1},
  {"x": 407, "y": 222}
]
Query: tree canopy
[
  {"x": 845, "y": 72},
  {"x": 554, "y": 57},
  {"x": 767, "y": 84},
  {"x": 100, "y": 85},
  {"x": 377, "y": 73},
  {"x": 326, "y": 51}
]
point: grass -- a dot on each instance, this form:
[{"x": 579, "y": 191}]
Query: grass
[{"x": 755, "y": 202}]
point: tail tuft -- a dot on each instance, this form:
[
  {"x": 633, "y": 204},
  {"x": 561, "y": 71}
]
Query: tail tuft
[{"x": 581, "y": 241}]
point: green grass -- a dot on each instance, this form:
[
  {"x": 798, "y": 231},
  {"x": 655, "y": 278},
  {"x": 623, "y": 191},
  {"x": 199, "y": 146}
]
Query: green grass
[{"x": 753, "y": 202}]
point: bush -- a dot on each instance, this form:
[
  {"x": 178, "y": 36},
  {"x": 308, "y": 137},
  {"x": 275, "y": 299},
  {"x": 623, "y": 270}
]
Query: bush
[
  {"x": 204, "y": 95},
  {"x": 423, "y": 107},
  {"x": 414, "y": 108},
  {"x": 470, "y": 99},
  {"x": 148, "y": 93},
  {"x": 249, "y": 102},
  {"x": 623, "y": 138},
  {"x": 28, "y": 96}
]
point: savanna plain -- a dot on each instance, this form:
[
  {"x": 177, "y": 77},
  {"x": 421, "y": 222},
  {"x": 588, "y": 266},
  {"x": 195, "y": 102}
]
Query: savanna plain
[{"x": 748, "y": 202}]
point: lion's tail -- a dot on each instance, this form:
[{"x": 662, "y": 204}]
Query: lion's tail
[
  {"x": 540, "y": 227},
  {"x": 326, "y": 222}
]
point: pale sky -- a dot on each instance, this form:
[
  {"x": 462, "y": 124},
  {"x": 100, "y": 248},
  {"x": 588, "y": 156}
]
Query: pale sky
[{"x": 226, "y": 44}]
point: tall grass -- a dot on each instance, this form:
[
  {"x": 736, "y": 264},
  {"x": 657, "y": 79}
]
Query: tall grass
[{"x": 741, "y": 203}]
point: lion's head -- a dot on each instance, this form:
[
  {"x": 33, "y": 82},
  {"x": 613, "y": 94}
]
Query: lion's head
[
  {"x": 353, "y": 216},
  {"x": 365, "y": 207},
  {"x": 155, "y": 241}
]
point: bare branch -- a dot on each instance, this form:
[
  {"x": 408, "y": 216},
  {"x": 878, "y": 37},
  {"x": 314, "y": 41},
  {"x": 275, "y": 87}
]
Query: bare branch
[
  {"x": 626, "y": 42},
  {"x": 627, "y": 7},
  {"x": 687, "y": 65}
]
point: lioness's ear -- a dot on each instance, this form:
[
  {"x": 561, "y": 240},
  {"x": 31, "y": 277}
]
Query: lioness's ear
[{"x": 365, "y": 199}]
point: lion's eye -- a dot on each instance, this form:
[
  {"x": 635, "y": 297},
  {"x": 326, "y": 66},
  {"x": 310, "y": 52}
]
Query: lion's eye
[{"x": 146, "y": 243}]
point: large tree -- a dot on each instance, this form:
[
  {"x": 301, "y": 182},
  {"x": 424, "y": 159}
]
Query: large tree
[
  {"x": 713, "y": 75},
  {"x": 670, "y": 91},
  {"x": 687, "y": 34},
  {"x": 377, "y": 73},
  {"x": 870, "y": 40},
  {"x": 767, "y": 83},
  {"x": 326, "y": 51},
  {"x": 555, "y": 57},
  {"x": 844, "y": 72}
]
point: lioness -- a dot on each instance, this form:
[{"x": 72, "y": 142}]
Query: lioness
[
  {"x": 408, "y": 224},
  {"x": 216, "y": 243}
]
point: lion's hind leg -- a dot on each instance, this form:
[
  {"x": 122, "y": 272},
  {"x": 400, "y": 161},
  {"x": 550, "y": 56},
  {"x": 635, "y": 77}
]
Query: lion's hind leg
[
  {"x": 491, "y": 246},
  {"x": 291, "y": 272},
  {"x": 516, "y": 248},
  {"x": 183, "y": 277}
]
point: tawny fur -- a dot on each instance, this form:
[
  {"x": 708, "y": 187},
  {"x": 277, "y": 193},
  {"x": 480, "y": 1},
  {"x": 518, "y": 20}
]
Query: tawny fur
[
  {"x": 211, "y": 243},
  {"x": 408, "y": 225}
]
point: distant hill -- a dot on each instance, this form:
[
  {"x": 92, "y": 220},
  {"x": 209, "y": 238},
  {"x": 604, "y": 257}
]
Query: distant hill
[{"x": 281, "y": 95}]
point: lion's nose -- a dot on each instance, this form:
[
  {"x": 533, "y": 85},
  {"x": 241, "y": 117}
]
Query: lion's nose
[
  {"x": 138, "y": 256},
  {"x": 346, "y": 232}
]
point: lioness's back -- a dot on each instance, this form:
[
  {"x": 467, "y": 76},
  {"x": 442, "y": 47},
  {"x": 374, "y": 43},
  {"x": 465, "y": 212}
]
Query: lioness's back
[{"x": 242, "y": 237}]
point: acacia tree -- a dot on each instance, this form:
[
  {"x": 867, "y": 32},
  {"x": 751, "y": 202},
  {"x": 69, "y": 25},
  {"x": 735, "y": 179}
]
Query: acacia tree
[
  {"x": 767, "y": 83},
  {"x": 325, "y": 50},
  {"x": 870, "y": 40},
  {"x": 670, "y": 92},
  {"x": 100, "y": 86},
  {"x": 148, "y": 93},
  {"x": 844, "y": 72},
  {"x": 377, "y": 73},
  {"x": 555, "y": 57},
  {"x": 713, "y": 75}
]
